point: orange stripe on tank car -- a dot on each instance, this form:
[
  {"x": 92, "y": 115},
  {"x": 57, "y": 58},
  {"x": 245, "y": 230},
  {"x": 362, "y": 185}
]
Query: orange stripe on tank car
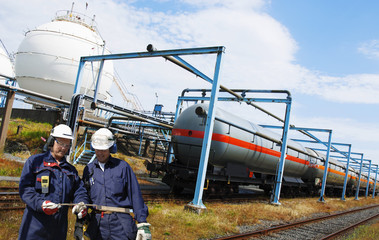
[
  {"x": 240, "y": 143},
  {"x": 236, "y": 142}
]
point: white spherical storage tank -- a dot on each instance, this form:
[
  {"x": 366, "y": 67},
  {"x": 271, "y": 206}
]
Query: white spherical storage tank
[{"x": 47, "y": 59}]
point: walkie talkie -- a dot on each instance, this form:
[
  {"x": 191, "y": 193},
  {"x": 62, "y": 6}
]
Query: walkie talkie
[{"x": 45, "y": 184}]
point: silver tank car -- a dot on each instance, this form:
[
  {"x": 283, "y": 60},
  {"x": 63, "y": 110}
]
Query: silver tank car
[
  {"x": 238, "y": 143},
  {"x": 233, "y": 142}
]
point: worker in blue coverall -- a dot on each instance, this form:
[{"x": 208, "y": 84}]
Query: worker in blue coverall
[
  {"x": 48, "y": 180},
  {"x": 111, "y": 182}
]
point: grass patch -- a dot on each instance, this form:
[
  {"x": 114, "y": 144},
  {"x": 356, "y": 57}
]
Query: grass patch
[
  {"x": 26, "y": 138},
  {"x": 366, "y": 232},
  {"x": 10, "y": 168},
  {"x": 8, "y": 184}
]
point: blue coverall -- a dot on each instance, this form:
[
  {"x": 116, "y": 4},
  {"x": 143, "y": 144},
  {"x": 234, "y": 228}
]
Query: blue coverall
[
  {"x": 116, "y": 186},
  {"x": 65, "y": 186}
]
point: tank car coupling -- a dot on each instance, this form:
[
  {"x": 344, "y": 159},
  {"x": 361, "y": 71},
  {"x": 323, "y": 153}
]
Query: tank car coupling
[
  {"x": 93, "y": 105},
  {"x": 201, "y": 111}
]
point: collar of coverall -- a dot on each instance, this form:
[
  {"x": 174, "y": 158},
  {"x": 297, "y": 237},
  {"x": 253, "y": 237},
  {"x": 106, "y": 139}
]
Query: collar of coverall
[
  {"x": 111, "y": 160},
  {"x": 49, "y": 161}
]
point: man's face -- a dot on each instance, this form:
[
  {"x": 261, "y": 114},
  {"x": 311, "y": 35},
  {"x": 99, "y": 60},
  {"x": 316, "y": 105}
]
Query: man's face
[
  {"x": 102, "y": 155},
  {"x": 60, "y": 148}
]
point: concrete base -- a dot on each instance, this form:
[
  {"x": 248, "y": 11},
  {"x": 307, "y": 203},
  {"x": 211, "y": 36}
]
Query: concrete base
[
  {"x": 275, "y": 204},
  {"x": 195, "y": 209}
]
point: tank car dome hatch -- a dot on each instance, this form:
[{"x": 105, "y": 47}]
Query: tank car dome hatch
[
  {"x": 6, "y": 66},
  {"x": 47, "y": 59}
]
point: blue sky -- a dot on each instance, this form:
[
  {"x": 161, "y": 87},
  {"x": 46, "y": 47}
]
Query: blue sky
[
  {"x": 330, "y": 33},
  {"x": 325, "y": 52}
]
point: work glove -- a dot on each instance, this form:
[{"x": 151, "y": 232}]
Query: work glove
[
  {"x": 49, "y": 207},
  {"x": 143, "y": 232},
  {"x": 80, "y": 210}
]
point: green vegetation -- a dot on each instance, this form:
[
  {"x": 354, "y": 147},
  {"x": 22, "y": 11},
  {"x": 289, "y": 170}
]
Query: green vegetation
[
  {"x": 366, "y": 232},
  {"x": 25, "y": 138},
  {"x": 10, "y": 168}
]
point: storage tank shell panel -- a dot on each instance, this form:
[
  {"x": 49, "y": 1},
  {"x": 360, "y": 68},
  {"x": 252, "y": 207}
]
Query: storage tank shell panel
[
  {"x": 48, "y": 58},
  {"x": 6, "y": 66}
]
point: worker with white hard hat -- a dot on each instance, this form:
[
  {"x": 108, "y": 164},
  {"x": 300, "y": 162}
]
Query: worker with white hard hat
[
  {"x": 111, "y": 182},
  {"x": 48, "y": 180}
]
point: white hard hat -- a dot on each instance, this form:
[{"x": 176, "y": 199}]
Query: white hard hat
[
  {"x": 62, "y": 131},
  {"x": 102, "y": 139}
]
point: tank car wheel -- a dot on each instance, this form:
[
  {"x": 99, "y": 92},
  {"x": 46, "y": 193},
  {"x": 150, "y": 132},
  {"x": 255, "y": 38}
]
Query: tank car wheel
[{"x": 177, "y": 190}]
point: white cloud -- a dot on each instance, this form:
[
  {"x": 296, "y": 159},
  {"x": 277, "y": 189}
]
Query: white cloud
[
  {"x": 260, "y": 51},
  {"x": 360, "y": 134},
  {"x": 370, "y": 49},
  {"x": 359, "y": 88}
]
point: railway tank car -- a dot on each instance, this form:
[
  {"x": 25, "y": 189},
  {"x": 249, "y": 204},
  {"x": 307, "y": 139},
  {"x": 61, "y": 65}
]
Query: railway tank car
[{"x": 241, "y": 153}]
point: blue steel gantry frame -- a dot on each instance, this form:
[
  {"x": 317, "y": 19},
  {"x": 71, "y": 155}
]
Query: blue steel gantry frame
[
  {"x": 328, "y": 145},
  {"x": 10, "y": 82},
  {"x": 348, "y": 157},
  {"x": 172, "y": 55},
  {"x": 354, "y": 165},
  {"x": 368, "y": 171},
  {"x": 334, "y": 149},
  {"x": 331, "y": 147},
  {"x": 376, "y": 177},
  {"x": 197, "y": 201}
]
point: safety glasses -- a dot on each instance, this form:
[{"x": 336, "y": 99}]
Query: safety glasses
[{"x": 61, "y": 144}]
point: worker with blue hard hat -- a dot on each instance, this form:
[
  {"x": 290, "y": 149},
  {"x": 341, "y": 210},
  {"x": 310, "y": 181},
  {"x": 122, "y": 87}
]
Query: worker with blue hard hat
[
  {"x": 47, "y": 181},
  {"x": 111, "y": 182}
]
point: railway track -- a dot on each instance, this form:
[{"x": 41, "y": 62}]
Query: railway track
[
  {"x": 10, "y": 199},
  {"x": 11, "y": 195},
  {"x": 325, "y": 227}
]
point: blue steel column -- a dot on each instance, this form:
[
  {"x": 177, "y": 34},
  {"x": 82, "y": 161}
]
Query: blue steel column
[
  {"x": 376, "y": 175},
  {"x": 98, "y": 81},
  {"x": 359, "y": 179},
  {"x": 140, "y": 141},
  {"x": 368, "y": 179},
  {"x": 346, "y": 174},
  {"x": 279, "y": 176},
  {"x": 321, "y": 199},
  {"x": 78, "y": 82},
  {"x": 171, "y": 150},
  {"x": 197, "y": 200}
]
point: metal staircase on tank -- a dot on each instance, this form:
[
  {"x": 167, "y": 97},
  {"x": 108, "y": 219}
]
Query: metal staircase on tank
[{"x": 86, "y": 155}]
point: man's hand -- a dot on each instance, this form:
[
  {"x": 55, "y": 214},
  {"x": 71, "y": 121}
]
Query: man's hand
[
  {"x": 49, "y": 207},
  {"x": 143, "y": 231},
  {"x": 80, "y": 210}
]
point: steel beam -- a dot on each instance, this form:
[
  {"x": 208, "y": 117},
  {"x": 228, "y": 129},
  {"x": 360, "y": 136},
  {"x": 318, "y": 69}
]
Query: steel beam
[
  {"x": 376, "y": 176},
  {"x": 359, "y": 179},
  {"x": 197, "y": 202},
  {"x": 368, "y": 178},
  {"x": 6, "y": 118},
  {"x": 279, "y": 176},
  {"x": 346, "y": 174},
  {"x": 321, "y": 199}
]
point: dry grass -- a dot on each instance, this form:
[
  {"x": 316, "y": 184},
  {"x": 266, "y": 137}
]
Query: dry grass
[
  {"x": 10, "y": 168},
  {"x": 171, "y": 221},
  {"x": 8, "y": 184},
  {"x": 366, "y": 232}
]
